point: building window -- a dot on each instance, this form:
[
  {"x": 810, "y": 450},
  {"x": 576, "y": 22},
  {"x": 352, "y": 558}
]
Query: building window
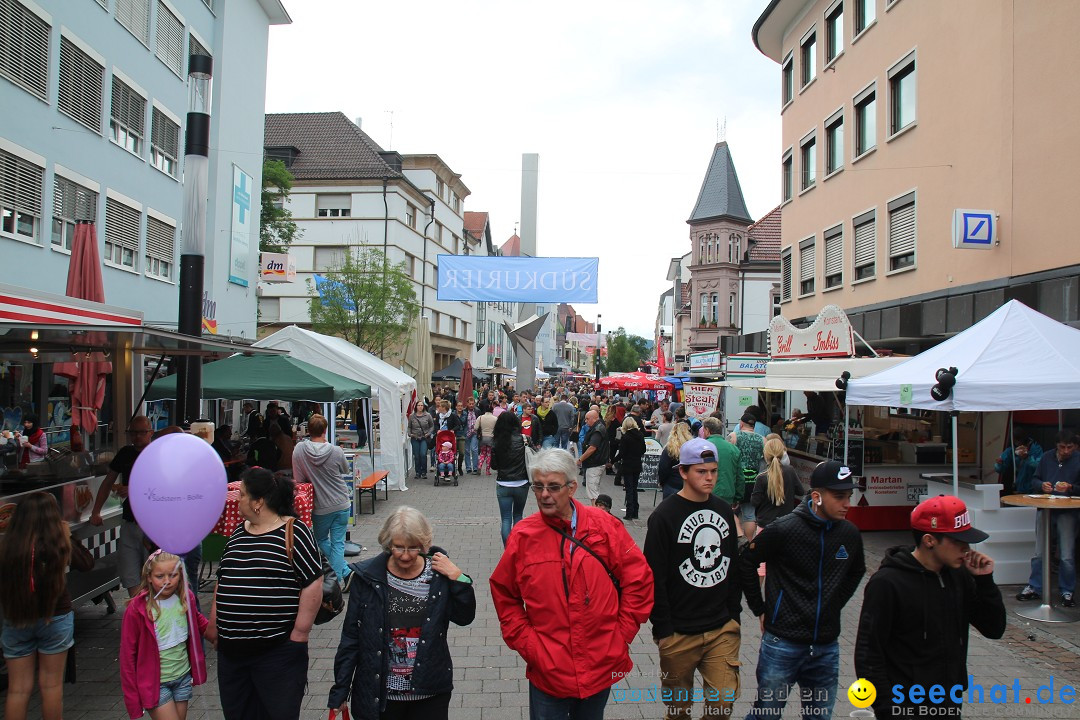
[
  {"x": 135, "y": 16},
  {"x": 734, "y": 248},
  {"x": 806, "y": 266},
  {"x": 121, "y": 233},
  {"x": 164, "y": 142},
  {"x": 80, "y": 96},
  {"x": 902, "y": 232},
  {"x": 864, "y": 15},
  {"x": 834, "y": 31},
  {"x": 808, "y": 57},
  {"x": 455, "y": 202},
  {"x": 440, "y": 188},
  {"x": 834, "y": 142},
  {"x": 333, "y": 205},
  {"x": 785, "y": 275},
  {"x": 714, "y": 307},
  {"x": 785, "y": 165},
  {"x": 21, "y": 183},
  {"x": 787, "y": 92},
  {"x": 481, "y": 324},
  {"x": 127, "y": 124},
  {"x": 329, "y": 257},
  {"x": 731, "y": 309},
  {"x": 776, "y": 299},
  {"x": 704, "y": 316},
  {"x": 160, "y": 247},
  {"x": 834, "y": 257},
  {"x": 170, "y": 39},
  {"x": 410, "y": 216},
  {"x": 71, "y": 203},
  {"x": 902, "y": 95},
  {"x": 865, "y": 226},
  {"x": 808, "y": 161},
  {"x": 24, "y": 39},
  {"x": 197, "y": 48},
  {"x": 865, "y": 121}
]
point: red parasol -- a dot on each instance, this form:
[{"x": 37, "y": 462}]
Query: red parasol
[
  {"x": 89, "y": 371},
  {"x": 465, "y": 386},
  {"x": 634, "y": 381}
]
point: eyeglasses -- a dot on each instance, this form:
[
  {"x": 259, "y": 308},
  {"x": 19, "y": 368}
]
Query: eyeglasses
[
  {"x": 401, "y": 550},
  {"x": 552, "y": 489}
]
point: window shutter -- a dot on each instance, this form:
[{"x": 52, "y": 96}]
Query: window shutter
[
  {"x": 20, "y": 183},
  {"x": 80, "y": 86},
  {"x": 785, "y": 276},
  {"x": 72, "y": 201},
  {"x": 160, "y": 239},
  {"x": 806, "y": 263},
  {"x": 196, "y": 48},
  {"x": 128, "y": 108},
  {"x": 165, "y": 134},
  {"x": 24, "y": 48},
  {"x": 170, "y": 39},
  {"x": 121, "y": 225},
  {"x": 135, "y": 16},
  {"x": 834, "y": 254},
  {"x": 902, "y": 230},
  {"x": 865, "y": 244}
]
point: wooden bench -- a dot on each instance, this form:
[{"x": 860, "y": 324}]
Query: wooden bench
[{"x": 370, "y": 486}]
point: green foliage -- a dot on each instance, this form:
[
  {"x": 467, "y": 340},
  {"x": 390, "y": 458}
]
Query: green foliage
[
  {"x": 366, "y": 300},
  {"x": 277, "y": 231},
  {"x": 625, "y": 352}
]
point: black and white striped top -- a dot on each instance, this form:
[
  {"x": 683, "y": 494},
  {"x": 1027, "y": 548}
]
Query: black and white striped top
[{"x": 258, "y": 591}]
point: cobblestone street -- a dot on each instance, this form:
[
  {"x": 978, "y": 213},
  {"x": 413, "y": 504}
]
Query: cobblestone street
[{"x": 490, "y": 679}]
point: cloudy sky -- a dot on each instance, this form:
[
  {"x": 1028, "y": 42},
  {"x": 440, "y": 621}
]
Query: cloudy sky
[{"x": 622, "y": 101}]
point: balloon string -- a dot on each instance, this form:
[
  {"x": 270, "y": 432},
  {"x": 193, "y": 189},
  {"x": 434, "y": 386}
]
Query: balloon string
[{"x": 183, "y": 574}]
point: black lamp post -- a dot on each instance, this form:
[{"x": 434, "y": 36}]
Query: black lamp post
[{"x": 596, "y": 358}]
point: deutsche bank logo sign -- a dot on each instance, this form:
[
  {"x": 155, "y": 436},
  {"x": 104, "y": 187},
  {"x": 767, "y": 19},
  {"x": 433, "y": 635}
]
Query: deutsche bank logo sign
[
  {"x": 975, "y": 229},
  {"x": 517, "y": 279}
]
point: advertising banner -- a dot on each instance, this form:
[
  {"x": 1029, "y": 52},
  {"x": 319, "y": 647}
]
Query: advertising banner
[
  {"x": 700, "y": 400},
  {"x": 828, "y": 336},
  {"x": 708, "y": 363},
  {"x": 518, "y": 279},
  {"x": 241, "y": 227}
]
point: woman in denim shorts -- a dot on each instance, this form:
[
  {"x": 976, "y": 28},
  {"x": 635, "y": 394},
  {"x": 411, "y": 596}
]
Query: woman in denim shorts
[{"x": 38, "y": 624}]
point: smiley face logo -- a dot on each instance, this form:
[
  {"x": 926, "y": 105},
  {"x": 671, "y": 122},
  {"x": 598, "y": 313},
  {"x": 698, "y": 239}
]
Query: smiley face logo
[{"x": 862, "y": 693}]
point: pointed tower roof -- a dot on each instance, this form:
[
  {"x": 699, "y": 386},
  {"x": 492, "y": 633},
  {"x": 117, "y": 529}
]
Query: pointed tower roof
[
  {"x": 721, "y": 195},
  {"x": 512, "y": 247}
]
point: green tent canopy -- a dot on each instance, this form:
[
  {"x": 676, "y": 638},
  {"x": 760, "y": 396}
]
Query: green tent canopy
[{"x": 267, "y": 377}]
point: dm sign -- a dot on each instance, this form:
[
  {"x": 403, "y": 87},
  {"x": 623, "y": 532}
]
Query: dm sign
[
  {"x": 277, "y": 267},
  {"x": 517, "y": 279}
]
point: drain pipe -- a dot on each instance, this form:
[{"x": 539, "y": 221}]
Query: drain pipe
[
  {"x": 385, "y": 244},
  {"x": 423, "y": 281}
]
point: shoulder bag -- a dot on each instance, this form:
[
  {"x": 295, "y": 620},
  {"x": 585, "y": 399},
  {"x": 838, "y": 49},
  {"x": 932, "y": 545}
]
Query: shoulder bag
[{"x": 333, "y": 602}]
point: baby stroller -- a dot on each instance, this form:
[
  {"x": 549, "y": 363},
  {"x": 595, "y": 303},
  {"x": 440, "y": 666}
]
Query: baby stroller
[{"x": 444, "y": 436}]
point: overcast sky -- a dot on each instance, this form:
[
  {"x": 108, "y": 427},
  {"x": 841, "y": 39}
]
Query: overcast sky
[{"x": 622, "y": 101}]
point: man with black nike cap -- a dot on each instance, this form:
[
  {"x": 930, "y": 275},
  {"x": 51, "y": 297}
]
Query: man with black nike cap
[
  {"x": 814, "y": 562},
  {"x": 917, "y": 608}
]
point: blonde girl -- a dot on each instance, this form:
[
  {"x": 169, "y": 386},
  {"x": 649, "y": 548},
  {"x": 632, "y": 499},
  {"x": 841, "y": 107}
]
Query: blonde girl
[
  {"x": 777, "y": 490},
  {"x": 161, "y": 652}
]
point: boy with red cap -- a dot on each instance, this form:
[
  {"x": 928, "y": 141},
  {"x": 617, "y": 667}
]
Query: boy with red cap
[{"x": 917, "y": 608}]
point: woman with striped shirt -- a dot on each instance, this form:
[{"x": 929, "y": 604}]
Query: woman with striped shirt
[{"x": 265, "y": 604}]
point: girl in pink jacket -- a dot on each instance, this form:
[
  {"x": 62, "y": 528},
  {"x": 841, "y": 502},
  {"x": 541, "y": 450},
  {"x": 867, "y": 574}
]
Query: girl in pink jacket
[{"x": 161, "y": 653}]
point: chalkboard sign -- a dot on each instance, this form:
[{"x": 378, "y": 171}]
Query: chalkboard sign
[
  {"x": 856, "y": 451},
  {"x": 650, "y": 464}
]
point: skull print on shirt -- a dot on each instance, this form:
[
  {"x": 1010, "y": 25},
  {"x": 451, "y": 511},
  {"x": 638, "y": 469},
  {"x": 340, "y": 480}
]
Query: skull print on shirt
[{"x": 705, "y": 531}]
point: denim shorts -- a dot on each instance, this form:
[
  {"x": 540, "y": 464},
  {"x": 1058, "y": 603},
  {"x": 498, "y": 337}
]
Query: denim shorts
[
  {"x": 747, "y": 513},
  {"x": 48, "y": 637},
  {"x": 178, "y": 690}
]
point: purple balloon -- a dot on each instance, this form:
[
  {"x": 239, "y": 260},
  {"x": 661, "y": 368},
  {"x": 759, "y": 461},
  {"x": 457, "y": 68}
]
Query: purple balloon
[{"x": 177, "y": 491}]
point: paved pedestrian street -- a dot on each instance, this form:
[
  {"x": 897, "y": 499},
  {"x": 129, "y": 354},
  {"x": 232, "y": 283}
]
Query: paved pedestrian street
[{"x": 490, "y": 679}]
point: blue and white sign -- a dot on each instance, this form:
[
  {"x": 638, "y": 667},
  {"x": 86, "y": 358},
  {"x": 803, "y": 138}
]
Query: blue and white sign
[
  {"x": 240, "y": 239},
  {"x": 518, "y": 279},
  {"x": 975, "y": 229}
]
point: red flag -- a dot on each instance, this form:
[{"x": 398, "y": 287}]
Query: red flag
[{"x": 660, "y": 362}]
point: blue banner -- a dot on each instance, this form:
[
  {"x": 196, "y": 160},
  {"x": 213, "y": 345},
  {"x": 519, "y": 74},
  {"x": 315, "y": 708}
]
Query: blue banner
[{"x": 518, "y": 279}]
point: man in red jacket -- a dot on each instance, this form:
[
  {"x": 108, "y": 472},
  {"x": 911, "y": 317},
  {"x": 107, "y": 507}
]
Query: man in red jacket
[{"x": 570, "y": 561}]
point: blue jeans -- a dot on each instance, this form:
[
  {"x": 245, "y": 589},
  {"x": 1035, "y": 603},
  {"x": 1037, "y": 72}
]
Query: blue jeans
[
  {"x": 548, "y": 442},
  {"x": 445, "y": 468},
  {"x": 472, "y": 454},
  {"x": 782, "y": 663},
  {"x": 511, "y": 506},
  {"x": 1063, "y": 524},
  {"x": 562, "y": 439},
  {"x": 329, "y": 532},
  {"x": 419, "y": 453},
  {"x": 548, "y": 707}
]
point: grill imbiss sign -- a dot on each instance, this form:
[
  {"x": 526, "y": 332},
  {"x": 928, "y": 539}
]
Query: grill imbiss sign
[{"x": 829, "y": 335}]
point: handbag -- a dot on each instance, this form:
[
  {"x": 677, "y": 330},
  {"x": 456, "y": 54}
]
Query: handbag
[{"x": 333, "y": 602}]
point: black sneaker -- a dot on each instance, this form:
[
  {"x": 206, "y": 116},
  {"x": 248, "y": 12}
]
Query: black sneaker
[
  {"x": 1067, "y": 600},
  {"x": 345, "y": 585},
  {"x": 1028, "y": 593}
]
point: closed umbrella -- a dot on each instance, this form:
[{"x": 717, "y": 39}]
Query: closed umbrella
[{"x": 88, "y": 373}]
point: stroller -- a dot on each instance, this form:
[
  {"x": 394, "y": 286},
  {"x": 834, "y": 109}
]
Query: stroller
[{"x": 441, "y": 437}]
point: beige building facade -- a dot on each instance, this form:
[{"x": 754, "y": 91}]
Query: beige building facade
[{"x": 896, "y": 114}]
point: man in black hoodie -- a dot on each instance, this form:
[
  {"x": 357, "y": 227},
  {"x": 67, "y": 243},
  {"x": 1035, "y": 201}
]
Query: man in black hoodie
[
  {"x": 815, "y": 562},
  {"x": 917, "y": 608}
]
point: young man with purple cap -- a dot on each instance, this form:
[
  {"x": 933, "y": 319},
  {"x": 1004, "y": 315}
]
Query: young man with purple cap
[
  {"x": 691, "y": 547},
  {"x": 917, "y": 608},
  {"x": 815, "y": 562}
]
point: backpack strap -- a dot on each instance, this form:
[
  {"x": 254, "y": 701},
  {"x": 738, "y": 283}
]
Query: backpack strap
[{"x": 586, "y": 548}]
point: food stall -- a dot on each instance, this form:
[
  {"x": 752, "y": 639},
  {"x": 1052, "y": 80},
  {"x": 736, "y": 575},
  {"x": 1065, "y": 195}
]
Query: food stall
[{"x": 38, "y": 330}]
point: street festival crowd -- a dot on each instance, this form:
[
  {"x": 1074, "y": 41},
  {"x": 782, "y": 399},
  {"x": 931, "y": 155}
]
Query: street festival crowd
[{"x": 571, "y": 589}]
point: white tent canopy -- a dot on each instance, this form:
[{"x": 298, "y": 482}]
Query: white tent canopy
[
  {"x": 1014, "y": 359},
  {"x": 391, "y": 389}
]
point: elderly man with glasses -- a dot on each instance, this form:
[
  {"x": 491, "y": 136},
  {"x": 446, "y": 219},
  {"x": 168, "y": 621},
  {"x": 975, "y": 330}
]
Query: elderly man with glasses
[
  {"x": 131, "y": 549},
  {"x": 571, "y": 590}
]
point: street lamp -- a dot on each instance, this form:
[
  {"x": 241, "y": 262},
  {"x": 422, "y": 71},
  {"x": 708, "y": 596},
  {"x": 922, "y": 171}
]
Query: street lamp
[{"x": 596, "y": 357}]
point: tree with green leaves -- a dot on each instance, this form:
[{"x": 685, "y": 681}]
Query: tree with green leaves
[
  {"x": 277, "y": 230},
  {"x": 625, "y": 352},
  {"x": 365, "y": 299}
]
